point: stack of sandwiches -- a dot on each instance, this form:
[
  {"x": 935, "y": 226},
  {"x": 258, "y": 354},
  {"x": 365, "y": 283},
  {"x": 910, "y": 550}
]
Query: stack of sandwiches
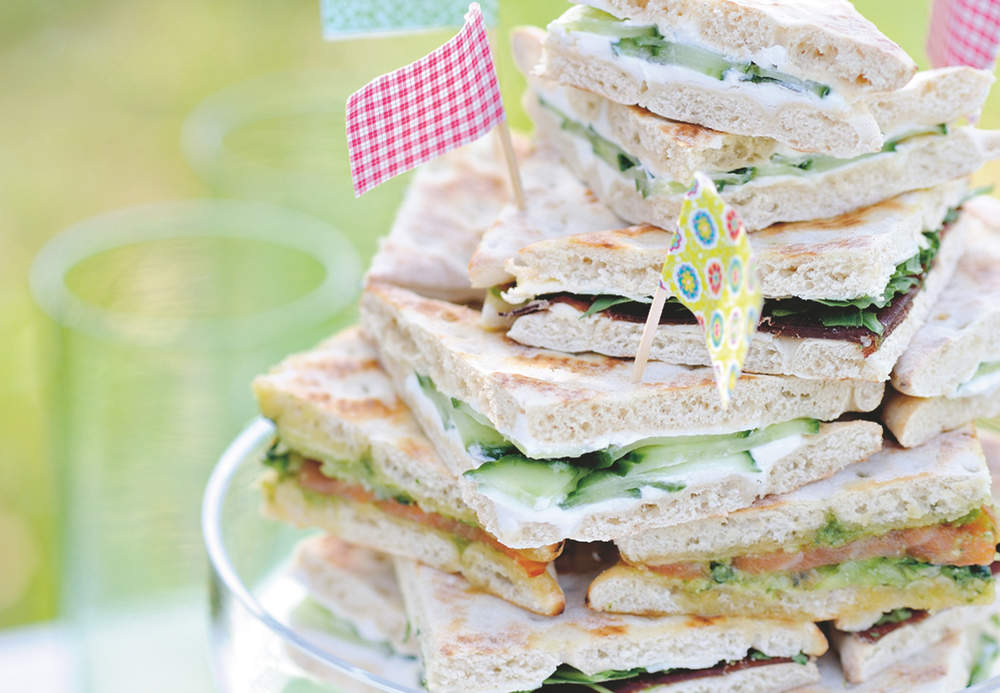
[{"x": 498, "y": 496}]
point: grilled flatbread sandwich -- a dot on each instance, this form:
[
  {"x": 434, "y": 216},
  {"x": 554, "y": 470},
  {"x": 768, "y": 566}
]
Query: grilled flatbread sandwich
[
  {"x": 640, "y": 164},
  {"x": 843, "y": 296},
  {"x": 357, "y": 586},
  {"x": 351, "y": 460},
  {"x": 550, "y": 446},
  {"x": 900, "y": 635},
  {"x": 449, "y": 203},
  {"x": 342, "y": 599},
  {"x": 906, "y": 528},
  {"x": 939, "y": 667},
  {"x": 474, "y": 643},
  {"x": 903, "y": 637},
  {"x": 811, "y": 75},
  {"x": 950, "y": 372}
]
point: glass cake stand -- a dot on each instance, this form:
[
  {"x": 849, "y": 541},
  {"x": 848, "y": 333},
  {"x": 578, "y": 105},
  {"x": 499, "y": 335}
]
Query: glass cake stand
[
  {"x": 252, "y": 600},
  {"x": 256, "y": 645}
]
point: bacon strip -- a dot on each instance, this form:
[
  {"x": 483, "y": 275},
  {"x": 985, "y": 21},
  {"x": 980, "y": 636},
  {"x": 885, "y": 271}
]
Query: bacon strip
[
  {"x": 647, "y": 681},
  {"x": 313, "y": 479},
  {"x": 876, "y": 633}
]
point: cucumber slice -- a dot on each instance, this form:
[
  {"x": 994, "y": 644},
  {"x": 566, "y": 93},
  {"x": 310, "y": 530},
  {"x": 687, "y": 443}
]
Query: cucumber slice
[
  {"x": 753, "y": 72},
  {"x": 693, "y": 447},
  {"x": 595, "y": 21},
  {"x": 480, "y": 439},
  {"x": 648, "y": 470},
  {"x": 780, "y": 165},
  {"x": 662, "y": 52},
  {"x": 736, "y": 177},
  {"x": 890, "y": 145},
  {"x": 986, "y": 367},
  {"x": 647, "y": 43},
  {"x": 535, "y": 484},
  {"x": 606, "y": 150}
]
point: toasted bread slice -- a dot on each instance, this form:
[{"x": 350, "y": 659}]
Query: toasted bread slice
[
  {"x": 335, "y": 407},
  {"x": 552, "y": 405},
  {"x": 963, "y": 330},
  {"x": 920, "y": 162},
  {"x": 915, "y": 420},
  {"x": 894, "y": 492},
  {"x": 840, "y": 258},
  {"x": 566, "y": 327},
  {"x": 450, "y": 202},
  {"x": 894, "y": 488},
  {"x": 474, "y": 643},
  {"x": 834, "y": 121},
  {"x": 863, "y": 659},
  {"x": 358, "y": 585},
  {"x": 941, "y": 666}
]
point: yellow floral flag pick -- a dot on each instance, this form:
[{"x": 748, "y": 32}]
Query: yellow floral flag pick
[{"x": 709, "y": 268}]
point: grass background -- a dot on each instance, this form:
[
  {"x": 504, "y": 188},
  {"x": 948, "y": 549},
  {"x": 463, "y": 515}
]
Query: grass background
[{"x": 93, "y": 100}]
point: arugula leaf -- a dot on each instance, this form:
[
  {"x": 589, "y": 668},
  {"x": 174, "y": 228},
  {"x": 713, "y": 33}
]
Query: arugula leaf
[
  {"x": 602, "y": 303},
  {"x": 853, "y": 318},
  {"x": 801, "y": 658},
  {"x": 566, "y": 674},
  {"x": 855, "y": 312},
  {"x": 863, "y": 311}
]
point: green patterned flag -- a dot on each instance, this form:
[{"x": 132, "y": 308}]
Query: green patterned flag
[
  {"x": 354, "y": 18},
  {"x": 710, "y": 270}
]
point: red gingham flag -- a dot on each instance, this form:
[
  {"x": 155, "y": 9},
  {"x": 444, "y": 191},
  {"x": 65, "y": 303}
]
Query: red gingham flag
[
  {"x": 964, "y": 32},
  {"x": 420, "y": 111}
]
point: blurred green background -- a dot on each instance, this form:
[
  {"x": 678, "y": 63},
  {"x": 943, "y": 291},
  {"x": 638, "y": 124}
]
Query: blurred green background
[{"x": 108, "y": 104}]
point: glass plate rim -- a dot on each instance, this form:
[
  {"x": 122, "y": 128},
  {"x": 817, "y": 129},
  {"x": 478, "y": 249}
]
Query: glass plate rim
[{"x": 248, "y": 443}]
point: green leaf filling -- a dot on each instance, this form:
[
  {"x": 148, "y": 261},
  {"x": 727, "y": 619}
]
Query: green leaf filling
[
  {"x": 602, "y": 303},
  {"x": 646, "y": 182},
  {"x": 855, "y": 312},
  {"x": 311, "y": 614},
  {"x": 721, "y": 572},
  {"x": 985, "y": 657},
  {"x": 279, "y": 458},
  {"x": 895, "y": 616},
  {"x": 863, "y": 311},
  {"x": 613, "y": 472}
]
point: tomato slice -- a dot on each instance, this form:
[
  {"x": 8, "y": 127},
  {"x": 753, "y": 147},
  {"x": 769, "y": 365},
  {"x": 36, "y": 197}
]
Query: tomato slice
[
  {"x": 973, "y": 543},
  {"x": 313, "y": 479}
]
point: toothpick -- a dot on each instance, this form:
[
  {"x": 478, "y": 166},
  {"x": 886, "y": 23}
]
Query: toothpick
[
  {"x": 648, "y": 332},
  {"x": 512, "y": 169}
]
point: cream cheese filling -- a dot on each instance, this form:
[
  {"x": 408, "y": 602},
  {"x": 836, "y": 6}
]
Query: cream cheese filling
[
  {"x": 783, "y": 165},
  {"x": 513, "y": 514},
  {"x": 984, "y": 384},
  {"x": 769, "y": 96}
]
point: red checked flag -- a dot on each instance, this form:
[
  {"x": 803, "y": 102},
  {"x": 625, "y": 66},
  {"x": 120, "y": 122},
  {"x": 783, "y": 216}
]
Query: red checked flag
[
  {"x": 964, "y": 32},
  {"x": 420, "y": 111}
]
